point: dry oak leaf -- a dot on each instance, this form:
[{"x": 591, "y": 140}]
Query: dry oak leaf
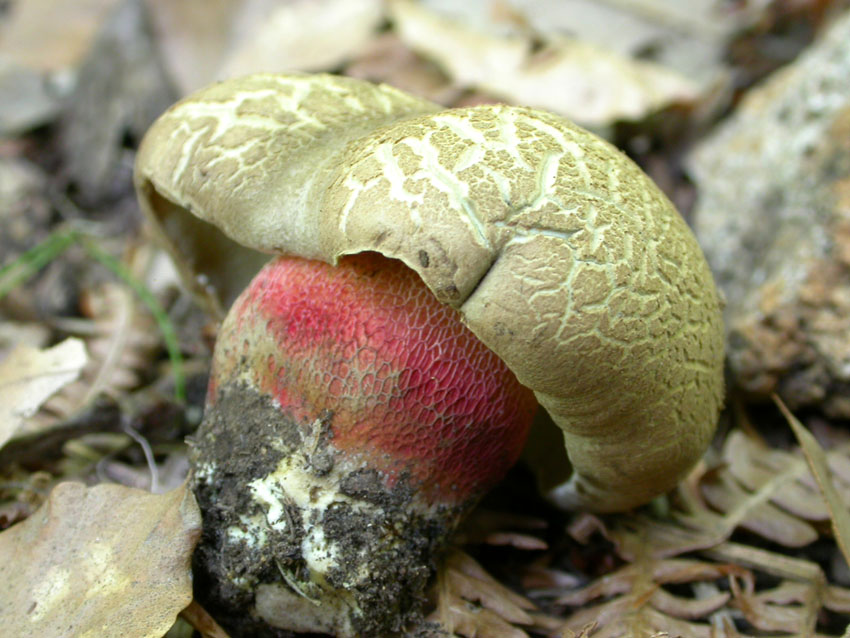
[
  {"x": 472, "y": 603},
  {"x": 235, "y": 37},
  {"x": 771, "y": 492},
  {"x": 587, "y": 83},
  {"x": 107, "y": 561},
  {"x": 121, "y": 339},
  {"x": 29, "y": 376},
  {"x": 42, "y": 43}
]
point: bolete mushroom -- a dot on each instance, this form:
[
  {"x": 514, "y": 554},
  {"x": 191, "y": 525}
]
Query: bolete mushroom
[{"x": 550, "y": 246}]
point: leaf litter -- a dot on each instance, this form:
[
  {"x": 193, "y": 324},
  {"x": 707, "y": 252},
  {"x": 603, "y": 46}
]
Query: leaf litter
[
  {"x": 682, "y": 572},
  {"x": 29, "y": 377},
  {"x": 101, "y": 561},
  {"x": 749, "y": 545}
]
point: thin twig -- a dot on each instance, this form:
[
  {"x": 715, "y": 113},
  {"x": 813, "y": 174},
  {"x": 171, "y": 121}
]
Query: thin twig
[
  {"x": 200, "y": 619},
  {"x": 147, "y": 451}
]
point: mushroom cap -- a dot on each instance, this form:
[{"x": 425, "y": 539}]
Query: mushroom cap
[{"x": 561, "y": 255}]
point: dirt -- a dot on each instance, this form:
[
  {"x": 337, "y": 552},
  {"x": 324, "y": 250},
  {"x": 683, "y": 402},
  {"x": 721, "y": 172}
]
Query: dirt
[{"x": 383, "y": 541}]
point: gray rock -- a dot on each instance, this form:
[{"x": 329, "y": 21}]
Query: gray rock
[{"x": 773, "y": 216}]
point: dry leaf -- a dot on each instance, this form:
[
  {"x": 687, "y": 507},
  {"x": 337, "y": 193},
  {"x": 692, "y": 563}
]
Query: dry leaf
[
  {"x": 121, "y": 338},
  {"x": 388, "y": 60},
  {"x": 584, "y": 82},
  {"x": 51, "y": 35},
  {"x": 768, "y": 491},
  {"x": 41, "y": 43},
  {"x": 757, "y": 516},
  {"x": 634, "y": 600},
  {"x": 514, "y": 539},
  {"x": 584, "y": 632},
  {"x": 771, "y": 492},
  {"x": 754, "y": 464},
  {"x": 500, "y": 528},
  {"x": 193, "y": 37},
  {"x": 13, "y": 334},
  {"x": 636, "y": 604},
  {"x": 472, "y": 603},
  {"x": 692, "y": 528},
  {"x": 203, "y": 41},
  {"x": 28, "y": 377},
  {"x": 469, "y": 620},
  {"x": 101, "y": 562},
  {"x": 469, "y": 580},
  {"x": 312, "y": 35}
]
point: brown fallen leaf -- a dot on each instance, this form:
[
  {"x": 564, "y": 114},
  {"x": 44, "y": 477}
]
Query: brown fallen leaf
[
  {"x": 755, "y": 513},
  {"x": 469, "y": 580},
  {"x": 14, "y": 334},
  {"x": 386, "y": 59},
  {"x": 202, "y": 41},
  {"x": 773, "y": 591},
  {"x": 121, "y": 338},
  {"x": 582, "y": 81},
  {"x": 29, "y": 376},
  {"x": 41, "y": 44},
  {"x": 51, "y": 35},
  {"x": 107, "y": 561},
  {"x": 769, "y": 492},
  {"x": 472, "y": 603},
  {"x": 754, "y": 464}
]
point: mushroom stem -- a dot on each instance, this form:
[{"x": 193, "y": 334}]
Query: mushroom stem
[{"x": 377, "y": 420}]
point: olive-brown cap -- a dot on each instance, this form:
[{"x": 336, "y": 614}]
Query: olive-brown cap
[{"x": 561, "y": 255}]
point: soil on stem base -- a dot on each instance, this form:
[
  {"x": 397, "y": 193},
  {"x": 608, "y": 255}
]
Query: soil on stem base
[{"x": 351, "y": 420}]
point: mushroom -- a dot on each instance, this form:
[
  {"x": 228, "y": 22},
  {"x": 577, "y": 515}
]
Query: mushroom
[{"x": 545, "y": 242}]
